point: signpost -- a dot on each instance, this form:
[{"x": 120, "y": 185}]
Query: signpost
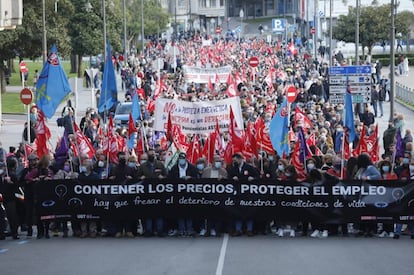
[
  {"x": 359, "y": 79},
  {"x": 26, "y": 97},
  {"x": 254, "y": 62},
  {"x": 23, "y": 71},
  {"x": 291, "y": 94}
]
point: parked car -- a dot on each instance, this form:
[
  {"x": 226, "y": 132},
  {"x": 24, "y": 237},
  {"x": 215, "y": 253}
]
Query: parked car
[{"x": 121, "y": 116}]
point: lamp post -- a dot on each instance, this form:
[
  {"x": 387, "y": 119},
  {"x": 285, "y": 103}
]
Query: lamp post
[
  {"x": 125, "y": 31},
  {"x": 104, "y": 29},
  {"x": 357, "y": 34},
  {"x": 241, "y": 14},
  {"x": 44, "y": 31},
  {"x": 142, "y": 24},
  {"x": 392, "y": 61},
  {"x": 212, "y": 22}
]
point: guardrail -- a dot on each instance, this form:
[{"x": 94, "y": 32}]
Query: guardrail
[{"x": 404, "y": 93}]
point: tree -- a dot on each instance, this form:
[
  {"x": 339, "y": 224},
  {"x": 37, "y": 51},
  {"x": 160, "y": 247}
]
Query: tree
[
  {"x": 155, "y": 19},
  {"x": 373, "y": 27},
  {"x": 87, "y": 33}
]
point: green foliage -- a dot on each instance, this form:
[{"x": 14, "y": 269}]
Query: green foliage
[
  {"x": 11, "y": 104},
  {"x": 374, "y": 25}
]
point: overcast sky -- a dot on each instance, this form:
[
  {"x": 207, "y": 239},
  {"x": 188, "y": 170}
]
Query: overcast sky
[{"x": 404, "y": 4}]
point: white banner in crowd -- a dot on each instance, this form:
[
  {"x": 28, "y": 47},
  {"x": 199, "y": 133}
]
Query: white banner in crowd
[
  {"x": 197, "y": 117},
  {"x": 201, "y": 75}
]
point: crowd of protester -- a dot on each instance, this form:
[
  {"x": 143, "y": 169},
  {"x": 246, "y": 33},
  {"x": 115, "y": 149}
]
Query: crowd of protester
[{"x": 286, "y": 64}]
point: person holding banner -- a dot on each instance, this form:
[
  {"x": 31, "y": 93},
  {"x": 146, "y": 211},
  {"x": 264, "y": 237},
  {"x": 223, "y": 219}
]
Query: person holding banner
[
  {"x": 152, "y": 168},
  {"x": 184, "y": 170},
  {"x": 241, "y": 171},
  {"x": 9, "y": 187}
]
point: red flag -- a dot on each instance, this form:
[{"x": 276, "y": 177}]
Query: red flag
[
  {"x": 250, "y": 143},
  {"x": 131, "y": 126},
  {"x": 110, "y": 144},
  {"x": 262, "y": 136},
  {"x": 231, "y": 87},
  {"x": 269, "y": 80},
  {"x": 300, "y": 153},
  {"x": 311, "y": 141},
  {"x": 169, "y": 128},
  {"x": 179, "y": 139},
  {"x": 42, "y": 135},
  {"x": 151, "y": 105},
  {"x": 140, "y": 148},
  {"x": 216, "y": 83},
  {"x": 28, "y": 150},
  {"x": 372, "y": 145},
  {"x": 237, "y": 78},
  {"x": 159, "y": 88},
  {"x": 210, "y": 85},
  {"x": 236, "y": 135},
  {"x": 194, "y": 150},
  {"x": 300, "y": 116},
  {"x": 83, "y": 143}
]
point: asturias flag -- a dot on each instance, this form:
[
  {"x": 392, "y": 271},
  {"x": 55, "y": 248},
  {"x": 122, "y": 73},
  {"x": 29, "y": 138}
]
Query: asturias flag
[
  {"x": 349, "y": 113},
  {"x": 279, "y": 131},
  {"x": 52, "y": 86},
  {"x": 109, "y": 91}
]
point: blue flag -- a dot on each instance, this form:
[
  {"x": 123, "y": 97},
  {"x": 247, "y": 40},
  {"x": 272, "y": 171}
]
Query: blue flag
[
  {"x": 279, "y": 131},
  {"x": 136, "y": 108},
  {"x": 52, "y": 86},
  {"x": 109, "y": 91},
  {"x": 349, "y": 113}
]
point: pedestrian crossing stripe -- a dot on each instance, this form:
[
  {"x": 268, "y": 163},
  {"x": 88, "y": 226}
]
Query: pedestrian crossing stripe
[{"x": 4, "y": 250}]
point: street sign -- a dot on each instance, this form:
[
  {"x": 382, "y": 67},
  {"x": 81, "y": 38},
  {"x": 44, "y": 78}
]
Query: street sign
[
  {"x": 291, "y": 94},
  {"x": 23, "y": 68},
  {"x": 279, "y": 25},
  {"x": 253, "y": 61},
  {"x": 358, "y": 78},
  {"x": 26, "y": 96},
  {"x": 218, "y": 30}
]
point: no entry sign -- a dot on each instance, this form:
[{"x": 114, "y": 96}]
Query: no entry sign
[
  {"x": 26, "y": 96},
  {"x": 253, "y": 61}
]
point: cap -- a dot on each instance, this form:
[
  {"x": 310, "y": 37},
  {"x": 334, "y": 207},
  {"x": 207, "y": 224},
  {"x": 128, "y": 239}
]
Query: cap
[{"x": 182, "y": 155}]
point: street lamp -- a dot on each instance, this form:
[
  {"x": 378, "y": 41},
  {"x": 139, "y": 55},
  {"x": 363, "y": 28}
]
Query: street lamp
[
  {"x": 241, "y": 14},
  {"x": 44, "y": 31},
  {"x": 212, "y": 22}
]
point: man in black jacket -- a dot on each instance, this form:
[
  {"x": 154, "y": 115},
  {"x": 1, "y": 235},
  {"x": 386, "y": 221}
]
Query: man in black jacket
[{"x": 241, "y": 171}]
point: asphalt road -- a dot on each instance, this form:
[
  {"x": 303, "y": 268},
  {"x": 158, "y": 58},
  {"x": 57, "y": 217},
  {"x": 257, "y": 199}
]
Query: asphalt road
[{"x": 205, "y": 256}]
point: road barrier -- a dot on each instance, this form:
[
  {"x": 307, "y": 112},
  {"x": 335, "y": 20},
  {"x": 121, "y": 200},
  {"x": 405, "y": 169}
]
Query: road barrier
[{"x": 404, "y": 93}]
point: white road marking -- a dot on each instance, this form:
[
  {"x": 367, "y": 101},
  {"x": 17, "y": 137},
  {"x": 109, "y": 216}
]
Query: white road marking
[
  {"x": 220, "y": 264},
  {"x": 4, "y": 250}
]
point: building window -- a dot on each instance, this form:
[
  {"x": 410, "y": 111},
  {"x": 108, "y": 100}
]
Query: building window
[
  {"x": 222, "y": 3},
  {"x": 181, "y": 4}
]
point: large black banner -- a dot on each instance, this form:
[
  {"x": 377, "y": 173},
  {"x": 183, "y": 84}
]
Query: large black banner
[{"x": 329, "y": 201}]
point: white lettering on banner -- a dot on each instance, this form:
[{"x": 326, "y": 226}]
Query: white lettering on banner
[
  {"x": 358, "y": 190},
  {"x": 205, "y": 188},
  {"x": 202, "y": 75},
  {"x": 274, "y": 189},
  {"x": 197, "y": 117}
]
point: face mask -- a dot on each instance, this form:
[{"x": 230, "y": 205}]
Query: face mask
[
  {"x": 235, "y": 164},
  {"x": 101, "y": 163},
  {"x": 83, "y": 169},
  {"x": 329, "y": 163},
  {"x": 200, "y": 166},
  {"x": 132, "y": 164},
  {"x": 151, "y": 158},
  {"x": 182, "y": 162},
  {"x": 217, "y": 164},
  {"x": 281, "y": 167},
  {"x": 1, "y": 171},
  {"x": 122, "y": 161},
  {"x": 386, "y": 169},
  {"x": 143, "y": 161},
  {"x": 66, "y": 168},
  {"x": 271, "y": 158},
  {"x": 288, "y": 174},
  {"x": 310, "y": 166},
  {"x": 406, "y": 161}
]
